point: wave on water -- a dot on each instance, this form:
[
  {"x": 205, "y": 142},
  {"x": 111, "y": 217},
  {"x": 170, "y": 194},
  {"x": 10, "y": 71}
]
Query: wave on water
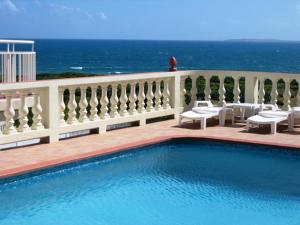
[{"x": 76, "y": 68}]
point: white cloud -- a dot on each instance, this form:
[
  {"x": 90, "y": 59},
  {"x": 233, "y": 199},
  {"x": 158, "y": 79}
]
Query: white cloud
[
  {"x": 9, "y": 5},
  {"x": 78, "y": 11},
  {"x": 102, "y": 15}
]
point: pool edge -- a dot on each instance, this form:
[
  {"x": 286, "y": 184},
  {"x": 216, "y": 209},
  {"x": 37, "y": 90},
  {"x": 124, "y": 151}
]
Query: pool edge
[{"x": 85, "y": 156}]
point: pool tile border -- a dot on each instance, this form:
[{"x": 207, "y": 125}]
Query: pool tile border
[{"x": 22, "y": 170}]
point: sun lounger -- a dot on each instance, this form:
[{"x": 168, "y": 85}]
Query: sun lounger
[
  {"x": 202, "y": 111},
  {"x": 202, "y": 117},
  {"x": 266, "y": 119}
]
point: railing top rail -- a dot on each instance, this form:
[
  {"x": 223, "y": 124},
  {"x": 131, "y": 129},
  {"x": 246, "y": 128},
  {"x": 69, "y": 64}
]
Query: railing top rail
[
  {"x": 107, "y": 79},
  {"x": 2, "y": 41},
  {"x": 17, "y": 52}
]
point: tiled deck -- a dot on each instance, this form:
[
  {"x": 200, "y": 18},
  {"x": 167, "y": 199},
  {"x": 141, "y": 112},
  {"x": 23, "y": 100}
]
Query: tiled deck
[{"x": 21, "y": 160}]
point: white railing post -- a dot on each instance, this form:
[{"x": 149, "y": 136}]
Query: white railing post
[
  {"x": 274, "y": 92},
  {"x": 261, "y": 90},
  {"x": 104, "y": 103},
  {"x": 62, "y": 107},
  {"x": 222, "y": 91},
  {"x": 207, "y": 90},
  {"x": 23, "y": 112},
  {"x": 182, "y": 92},
  {"x": 132, "y": 99},
  {"x": 9, "y": 114},
  {"x": 251, "y": 89},
  {"x": 123, "y": 100},
  {"x": 37, "y": 112},
  {"x": 141, "y": 97},
  {"x": 237, "y": 90},
  {"x": 114, "y": 101},
  {"x": 150, "y": 96},
  {"x": 94, "y": 103},
  {"x": 166, "y": 94},
  {"x": 83, "y": 105},
  {"x": 157, "y": 96},
  {"x": 287, "y": 95},
  {"x": 72, "y": 105}
]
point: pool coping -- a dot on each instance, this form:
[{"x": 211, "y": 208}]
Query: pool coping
[{"x": 22, "y": 170}]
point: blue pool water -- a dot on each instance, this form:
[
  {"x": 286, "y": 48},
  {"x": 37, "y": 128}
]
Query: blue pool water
[{"x": 174, "y": 183}]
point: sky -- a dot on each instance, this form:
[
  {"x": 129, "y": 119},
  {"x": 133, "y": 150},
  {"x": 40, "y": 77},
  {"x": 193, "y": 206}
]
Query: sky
[{"x": 151, "y": 19}]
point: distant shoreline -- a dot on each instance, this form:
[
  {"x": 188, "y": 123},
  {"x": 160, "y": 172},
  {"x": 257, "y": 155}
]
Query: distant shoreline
[{"x": 237, "y": 40}]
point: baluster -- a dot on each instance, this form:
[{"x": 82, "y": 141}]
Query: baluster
[
  {"x": 9, "y": 114},
  {"x": 132, "y": 99},
  {"x": 274, "y": 92},
  {"x": 237, "y": 90},
  {"x": 104, "y": 103},
  {"x": 287, "y": 95},
  {"x": 72, "y": 105},
  {"x": 158, "y": 95},
  {"x": 194, "y": 90},
  {"x": 123, "y": 100},
  {"x": 83, "y": 104},
  {"x": 182, "y": 92},
  {"x": 207, "y": 89},
  {"x": 222, "y": 91},
  {"x": 94, "y": 103},
  {"x": 23, "y": 112},
  {"x": 62, "y": 107},
  {"x": 166, "y": 95},
  {"x": 261, "y": 98},
  {"x": 114, "y": 101},
  {"x": 37, "y": 111},
  {"x": 141, "y": 98},
  {"x": 150, "y": 96},
  {"x": 298, "y": 94}
]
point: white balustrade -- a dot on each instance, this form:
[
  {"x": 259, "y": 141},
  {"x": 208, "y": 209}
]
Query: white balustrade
[
  {"x": 123, "y": 100},
  {"x": 37, "y": 111},
  {"x": 194, "y": 89},
  {"x": 150, "y": 97},
  {"x": 83, "y": 105},
  {"x": 132, "y": 99},
  {"x": 72, "y": 105},
  {"x": 287, "y": 95},
  {"x": 94, "y": 104},
  {"x": 222, "y": 91},
  {"x": 141, "y": 97},
  {"x": 114, "y": 101},
  {"x": 9, "y": 114},
  {"x": 207, "y": 90},
  {"x": 261, "y": 90},
  {"x": 237, "y": 90},
  {"x": 104, "y": 103},
  {"x": 274, "y": 92},
  {"x": 182, "y": 92},
  {"x": 166, "y": 95},
  {"x": 23, "y": 112},
  {"x": 62, "y": 107},
  {"x": 18, "y": 98},
  {"x": 158, "y": 96}
]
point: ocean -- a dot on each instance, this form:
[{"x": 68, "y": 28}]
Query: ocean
[{"x": 129, "y": 56}]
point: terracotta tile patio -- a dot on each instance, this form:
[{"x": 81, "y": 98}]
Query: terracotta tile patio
[{"x": 26, "y": 159}]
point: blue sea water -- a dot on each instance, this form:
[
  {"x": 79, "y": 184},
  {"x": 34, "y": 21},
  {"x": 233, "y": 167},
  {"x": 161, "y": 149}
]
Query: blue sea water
[
  {"x": 121, "y": 56},
  {"x": 174, "y": 183}
]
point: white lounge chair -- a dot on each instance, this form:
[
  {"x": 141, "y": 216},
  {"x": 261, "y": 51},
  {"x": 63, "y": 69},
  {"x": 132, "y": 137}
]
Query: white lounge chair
[
  {"x": 295, "y": 113},
  {"x": 202, "y": 111},
  {"x": 270, "y": 117}
]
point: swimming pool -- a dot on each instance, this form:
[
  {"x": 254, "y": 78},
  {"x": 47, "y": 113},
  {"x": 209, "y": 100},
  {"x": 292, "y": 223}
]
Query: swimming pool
[{"x": 178, "y": 182}]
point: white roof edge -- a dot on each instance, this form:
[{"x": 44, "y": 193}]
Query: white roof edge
[{"x": 2, "y": 41}]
